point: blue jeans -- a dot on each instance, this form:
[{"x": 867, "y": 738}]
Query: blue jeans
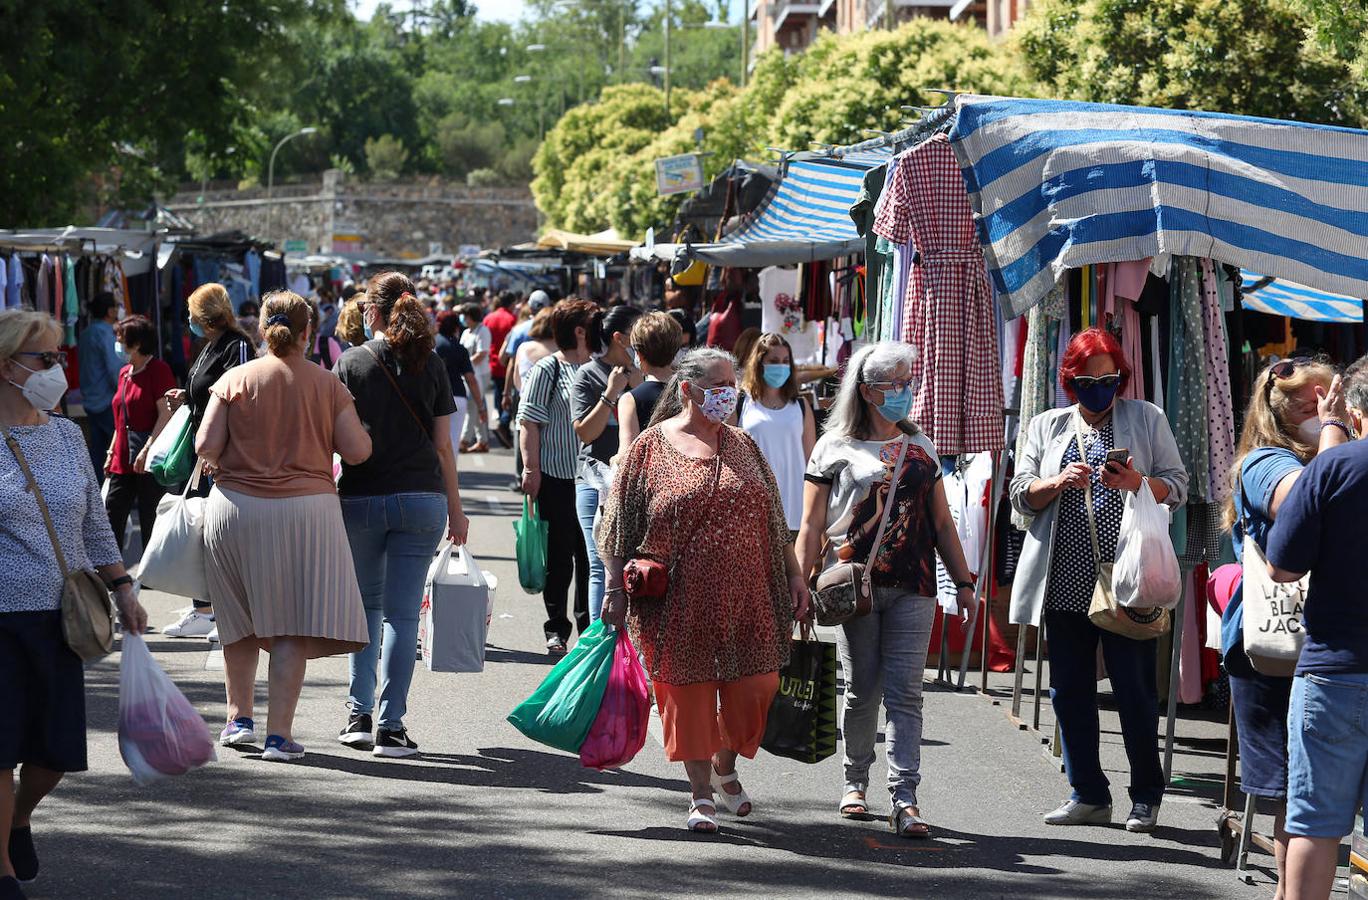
[
  {"x": 392, "y": 540},
  {"x": 883, "y": 656},
  {"x": 1327, "y": 743},
  {"x": 1073, "y": 691},
  {"x": 586, "y": 507}
]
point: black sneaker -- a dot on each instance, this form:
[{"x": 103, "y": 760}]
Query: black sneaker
[
  {"x": 10, "y": 890},
  {"x": 394, "y": 744},
  {"x": 358, "y": 732},
  {"x": 22, "y": 855}
]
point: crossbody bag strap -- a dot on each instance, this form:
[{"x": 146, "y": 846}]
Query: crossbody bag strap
[
  {"x": 1087, "y": 493},
  {"x": 887, "y": 511},
  {"x": 397, "y": 389},
  {"x": 37, "y": 495}
]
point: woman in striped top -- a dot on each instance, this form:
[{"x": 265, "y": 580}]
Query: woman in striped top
[{"x": 550, "y": 452}]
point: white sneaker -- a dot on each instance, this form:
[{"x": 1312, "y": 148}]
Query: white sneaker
[
  {"x": 212, "y": 636},
  {"x": 193, "y": 624}
]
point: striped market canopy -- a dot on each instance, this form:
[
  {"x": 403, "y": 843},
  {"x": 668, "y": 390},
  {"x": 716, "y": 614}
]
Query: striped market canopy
[
  {"x": 1060, "y": 184},
  {"x": 1281, "y": 298}
]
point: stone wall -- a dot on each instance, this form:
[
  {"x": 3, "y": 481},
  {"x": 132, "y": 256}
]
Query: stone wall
[{"x": 395, "y": 219}]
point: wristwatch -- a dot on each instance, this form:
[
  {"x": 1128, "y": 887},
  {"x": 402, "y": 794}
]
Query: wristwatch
[
  {"x": 959, "y": 585},
  {"x": 120, "y": 582}
]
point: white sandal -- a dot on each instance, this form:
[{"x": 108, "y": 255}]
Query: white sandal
[
  {"x": 699, "y": 821},
  {"x": 733, "y": 802}
]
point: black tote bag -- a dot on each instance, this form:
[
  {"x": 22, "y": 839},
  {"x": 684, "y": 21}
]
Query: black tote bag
[{"x": 802, "y": 716}]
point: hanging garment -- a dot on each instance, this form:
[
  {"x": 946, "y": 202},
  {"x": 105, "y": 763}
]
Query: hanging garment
[
  {"x": 111, "y": 280},
  {"x": 1186, "y": 405},
  {"x": 1119, "y": 286},
  {"x": 862, "y": 214},
  {"x": 949, "y": 316},
  {"x": 16, "y": 283},
  {"x": 966, "y": 490},
  {"x": 1220, "y": 414},
  {"x": 782, "y": 314}
]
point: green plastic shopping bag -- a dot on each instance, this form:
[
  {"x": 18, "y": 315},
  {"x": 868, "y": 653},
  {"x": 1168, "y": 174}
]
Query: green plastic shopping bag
[
  {"x": 531, "y": 532},
  {"x": 178, "y": 461},
  {"x": 562, "y": 709}
]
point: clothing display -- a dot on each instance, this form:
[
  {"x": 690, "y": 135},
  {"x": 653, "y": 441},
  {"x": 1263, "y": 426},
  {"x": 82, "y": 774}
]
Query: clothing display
[
  {"x": 1186, "y": 404},
  {"x": 781, "y": 313},
  {"x": 1220, "y": 417},
  {"x": 966, "y": 492}
]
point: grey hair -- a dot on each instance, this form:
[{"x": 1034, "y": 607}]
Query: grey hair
[
  {"x": 1356, "y": 385},
  {"x": 694, "y": 366},
  {"x": 849, "y": 416}
]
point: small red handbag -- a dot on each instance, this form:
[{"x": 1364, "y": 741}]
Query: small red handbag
[{"x": 645, "y": 579}]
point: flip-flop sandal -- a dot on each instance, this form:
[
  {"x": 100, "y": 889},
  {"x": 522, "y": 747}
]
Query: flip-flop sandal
[
  {"x": 903, "y": 822},
  {"x": 854, "y": 809},
  {"x": 699, "y": 821},
  {"x": 733, "y": 802}
]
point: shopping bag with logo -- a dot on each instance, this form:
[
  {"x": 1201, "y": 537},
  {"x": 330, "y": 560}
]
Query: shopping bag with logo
[
  {"x": 173, "y": 560},
  {"x": 531, "y": 532},
  {"x": 562, "y": 709},
  {"x": 1273, "y": 633},
  {"x": 455, "y": 613},
  {"x": 172, "y": 456},
  {"x": 160, "y": 733},
  {"x": 802, "y": 716},
  {"x": 619, "y": 729}
]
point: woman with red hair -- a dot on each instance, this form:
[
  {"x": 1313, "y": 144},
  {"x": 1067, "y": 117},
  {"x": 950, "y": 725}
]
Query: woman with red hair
[{"x": 1095, "y": 450}]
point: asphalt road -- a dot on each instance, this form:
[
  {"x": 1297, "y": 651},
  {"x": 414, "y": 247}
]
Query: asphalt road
[{"x": 486, "y": 813}]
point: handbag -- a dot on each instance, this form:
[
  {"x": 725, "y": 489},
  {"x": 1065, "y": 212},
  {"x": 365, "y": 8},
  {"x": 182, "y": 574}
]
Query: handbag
[
  {"x": 646, "y": 578},
  {"x": 801, "y": 723},
  {"x": 137, "y": 440},
  {"x": 173, "y": 560},
  {"x": 87, "y": 614},
  {"x": 844, "y": 590},
  {"x": 1272, "y": 629},
  {"x": 1137, "y": 623}
]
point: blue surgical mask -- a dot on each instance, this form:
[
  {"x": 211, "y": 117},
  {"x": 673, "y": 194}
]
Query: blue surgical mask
[
  {"x": 896, "y": 404},
  {"x": 120, "y": 351},
  {"x": 196, "y": 329},
  {"x": 777, "y": 374},
  {"x": 1096, "y": 398},
  {"x": 368, "y": 331}
]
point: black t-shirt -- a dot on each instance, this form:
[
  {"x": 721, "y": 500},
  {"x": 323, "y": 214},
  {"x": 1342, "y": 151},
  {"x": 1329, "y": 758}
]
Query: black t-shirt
[
  {"x": 457, "y": 361},
  {"x": 403, "y": 458},
  {"x": 227, "y": 350},
  {"x": 646, "y": 395}
]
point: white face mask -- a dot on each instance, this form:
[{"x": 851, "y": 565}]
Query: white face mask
[
  {"x": 679, "y": 355},
  {"x": 632, "y": 355},
  {"x": 1310, "y": 430},
  {"x": 45, "y": 387}
]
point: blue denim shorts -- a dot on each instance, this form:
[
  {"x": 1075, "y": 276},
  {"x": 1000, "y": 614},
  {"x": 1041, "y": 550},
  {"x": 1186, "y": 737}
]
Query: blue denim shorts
[{"x": 1327, "y": 744}]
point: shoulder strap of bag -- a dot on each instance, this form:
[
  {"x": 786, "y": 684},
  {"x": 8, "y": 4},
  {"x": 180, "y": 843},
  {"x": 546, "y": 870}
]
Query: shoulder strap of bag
[
  {"x": 37, "y": 495},
  {"x": 887, "y": 511},
  {"x": 1087, "y": 492},
  {"x": 397, "y": 389}
]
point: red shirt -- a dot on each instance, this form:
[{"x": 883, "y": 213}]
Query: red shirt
[
  {"x": 135, "y": 407},
  {"x": 500, "y": 322}
]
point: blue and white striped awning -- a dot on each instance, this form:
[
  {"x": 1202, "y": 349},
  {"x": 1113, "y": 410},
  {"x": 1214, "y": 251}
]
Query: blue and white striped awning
[
  {"x": 1282, "y": 298},
  {"x": 1059, "y": 184},
  {"x": 806, "y": 217}
]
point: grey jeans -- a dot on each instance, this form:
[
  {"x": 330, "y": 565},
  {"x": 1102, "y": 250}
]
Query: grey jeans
[{"x": 883, "y": 656}]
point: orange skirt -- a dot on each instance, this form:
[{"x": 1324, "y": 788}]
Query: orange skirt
[{"x": 701, "y": 719}]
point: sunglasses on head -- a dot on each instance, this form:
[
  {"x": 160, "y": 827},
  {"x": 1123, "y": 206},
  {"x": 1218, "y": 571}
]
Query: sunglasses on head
[
  {"x": 1091, "y": 381},
  {"x": 1286, "y": 368},
  {"x": 49, "y": 358}
]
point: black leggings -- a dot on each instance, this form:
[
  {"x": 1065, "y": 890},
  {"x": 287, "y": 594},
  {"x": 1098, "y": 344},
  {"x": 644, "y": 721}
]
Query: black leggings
[
  {"x": 565, "y": 557},
  {"x": 125, "y": 491}
]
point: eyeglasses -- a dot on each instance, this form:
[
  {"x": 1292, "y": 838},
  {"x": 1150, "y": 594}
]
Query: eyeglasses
[
  {"x": 1086, "y": 382},
  {"x": 49, "y": 358},
  {"x": 897, "y": 386}
]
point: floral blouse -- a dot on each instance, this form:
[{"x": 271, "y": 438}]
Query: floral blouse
[{"x": 728, "y": 614}]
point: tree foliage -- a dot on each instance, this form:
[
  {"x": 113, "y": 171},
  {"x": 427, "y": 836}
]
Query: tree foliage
[{"x": 1340, "y": 26}]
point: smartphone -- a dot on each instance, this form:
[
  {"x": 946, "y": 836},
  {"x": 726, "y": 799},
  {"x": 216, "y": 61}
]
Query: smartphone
[{"x": 1118, "y": 456}]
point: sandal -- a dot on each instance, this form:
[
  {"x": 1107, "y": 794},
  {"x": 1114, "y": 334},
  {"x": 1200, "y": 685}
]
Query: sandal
[
  {"x": 733, "y": 802},
  {"x": 854, "y": 805},
  {"x": 908, "y": 824},
  {"x": 699, "y": 821}
]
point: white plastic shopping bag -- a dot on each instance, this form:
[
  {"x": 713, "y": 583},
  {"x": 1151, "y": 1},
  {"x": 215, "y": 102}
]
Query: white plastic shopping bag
[
  {"x": 1146, "y": 574},
  {"x": 173, "y": 560},
  {"x": 455, "y": 613},
  {"x": 160, "y": 733}
]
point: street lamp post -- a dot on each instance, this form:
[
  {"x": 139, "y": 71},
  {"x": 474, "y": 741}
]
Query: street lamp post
[
  {"x": 270, "y": 175},
  {"x": 667, "y": 60}
]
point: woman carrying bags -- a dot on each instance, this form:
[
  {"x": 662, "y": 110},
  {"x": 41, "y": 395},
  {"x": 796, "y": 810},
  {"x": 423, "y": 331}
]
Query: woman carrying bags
[
  {"x": 397, "y": 504},
  {"x": 777, "y": 419},
  {"x": 1058, "y": 570},
  {"x": 696, "y": 497},
  {"x": 874, "y": 485}
]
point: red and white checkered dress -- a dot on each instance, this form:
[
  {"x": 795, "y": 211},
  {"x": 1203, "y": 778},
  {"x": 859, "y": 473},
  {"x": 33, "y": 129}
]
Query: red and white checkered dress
[{"x": 948, "y": 309}]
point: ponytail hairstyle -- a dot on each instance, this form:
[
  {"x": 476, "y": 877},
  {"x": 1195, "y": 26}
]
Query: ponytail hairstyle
[
  {"x": 616, "y": 320},
  {"x": 694, "y": 367},
  {"x": 405, "y": 320},
  {"x": 284, "y": 317}
]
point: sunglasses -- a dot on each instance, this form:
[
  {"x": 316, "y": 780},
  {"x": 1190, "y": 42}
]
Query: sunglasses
[
  {"x": 49, "y": 358},
  {"x": 1286, "y": 368},
  {"x": 1087, "y": 382}
]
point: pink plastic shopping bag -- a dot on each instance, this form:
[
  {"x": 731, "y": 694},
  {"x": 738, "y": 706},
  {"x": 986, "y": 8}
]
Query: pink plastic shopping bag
[{"x": 619, "y": 729}]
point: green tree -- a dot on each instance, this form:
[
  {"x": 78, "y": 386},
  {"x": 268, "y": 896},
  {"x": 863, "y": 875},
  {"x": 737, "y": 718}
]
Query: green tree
[
  {"x": 386, "y": 157},
  {"x": 1235, "y": 56},
  {"x": 1340, "y": 26}
]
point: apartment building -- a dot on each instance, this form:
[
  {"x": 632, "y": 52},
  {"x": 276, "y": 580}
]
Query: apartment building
[{"x": 794, "y": 24}]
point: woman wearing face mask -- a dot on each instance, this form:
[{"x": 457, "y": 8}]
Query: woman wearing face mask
[
  {"x": 223, "y": 345},
  {"x": 594, "y": 392},
  {"x": 550, "y": 453},
  {"x": 656, "y": 340},
  {"x": 779, "y": 421},
  {"x": 854, "y": 468},
  {"x": 1296, "y": 411},
  {"x": 697, "y": 495},
  {"x": 42, "y": 682},
  {"x": 1058, "y": 570}
]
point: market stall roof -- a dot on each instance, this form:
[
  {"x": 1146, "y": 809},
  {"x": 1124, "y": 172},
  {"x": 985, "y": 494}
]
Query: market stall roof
[
  {"x": 1282, "y": 298},
  {"x": 130, "y": 242},
  {"x": 1060, "y": 184},
  {"x": 603, "y": 243}
]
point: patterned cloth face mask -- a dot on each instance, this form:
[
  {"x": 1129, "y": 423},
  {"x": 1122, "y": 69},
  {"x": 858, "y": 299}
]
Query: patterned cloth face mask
[{"x": 719, "y": 402}]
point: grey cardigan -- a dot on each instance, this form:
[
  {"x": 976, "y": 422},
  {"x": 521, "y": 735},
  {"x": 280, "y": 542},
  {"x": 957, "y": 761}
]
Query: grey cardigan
[{"x": 1138, "y": 426}]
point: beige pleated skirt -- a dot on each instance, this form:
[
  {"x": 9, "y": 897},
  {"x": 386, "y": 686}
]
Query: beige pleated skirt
[{"x": 282, "y": 567}]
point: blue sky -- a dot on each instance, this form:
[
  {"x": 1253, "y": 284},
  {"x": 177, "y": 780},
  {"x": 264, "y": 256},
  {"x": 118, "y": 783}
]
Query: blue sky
[{"x": 496, "y": 10}]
